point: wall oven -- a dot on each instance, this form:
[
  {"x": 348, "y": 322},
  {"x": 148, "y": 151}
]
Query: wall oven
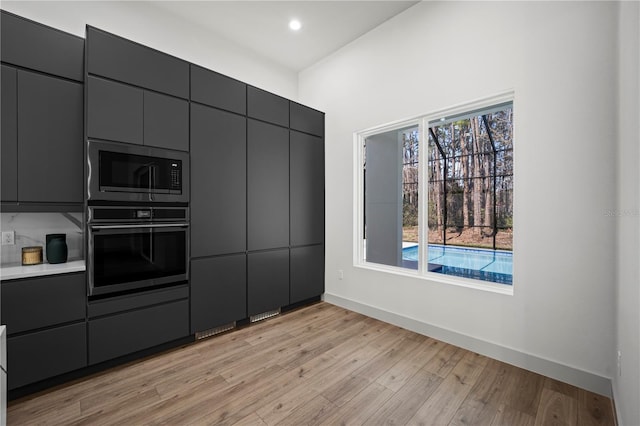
[
  {"x": 132, "y": 248},
  {"x": 135, "y": 173}
]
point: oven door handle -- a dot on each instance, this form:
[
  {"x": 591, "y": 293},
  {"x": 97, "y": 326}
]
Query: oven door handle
[{"x": 142, "y": 225}]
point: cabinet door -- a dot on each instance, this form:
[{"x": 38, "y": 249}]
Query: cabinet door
[
  {"x": 267, "y": 281},
  {"x": 218, "y": 291},
  {"x": 35, "y": 46},
  {"x": 217, "y": 90},
  {"x": 114, "y": 111},
  {"x": 123, "y": 60},
  {"x": 307, "y": 272},
  {"x": 50, "y": 139},
  {"x": 306, "y": 119},
  {"x": 218, "y": 182},
  {"x": 267, "y": 186},
  {"x": 266, "y": 106},
  {"x": 37, "y": 356},
  {"x": 122, "y": 334},
  {"x": 9, "y": 141},
  {"x": 166, "y": 121},
  {"x": 307, "y": 189},
  {"x": 33, "y": 303}
]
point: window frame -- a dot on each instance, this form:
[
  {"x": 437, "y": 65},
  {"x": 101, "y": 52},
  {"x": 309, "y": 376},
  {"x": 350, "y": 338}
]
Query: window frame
[{"x": 422, "y": 122}]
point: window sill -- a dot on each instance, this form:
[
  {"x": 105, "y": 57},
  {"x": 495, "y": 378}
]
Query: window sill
[{"x": 440, "y": 278}]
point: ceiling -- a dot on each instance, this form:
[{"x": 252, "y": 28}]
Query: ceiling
[{"x": 262, "y": 26}]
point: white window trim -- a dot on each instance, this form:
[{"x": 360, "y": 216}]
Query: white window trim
[{"x": 422, "y": 121}]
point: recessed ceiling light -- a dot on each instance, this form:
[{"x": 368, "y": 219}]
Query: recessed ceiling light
[{"x": 295, "y": 25}]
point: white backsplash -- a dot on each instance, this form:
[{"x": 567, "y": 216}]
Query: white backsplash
[{"x": 31, "y": 229}]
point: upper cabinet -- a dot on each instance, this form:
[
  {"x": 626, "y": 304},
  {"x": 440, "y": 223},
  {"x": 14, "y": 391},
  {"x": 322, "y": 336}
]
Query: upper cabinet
[
  {"x": 42, "y": 114},
  {"x": 305, "y": 119},
  {"x": 217, "y": 90},
  {"x": 136, "y": 94},
  {"x": 35, "y": 46},
  {"x": 123, "y": 60},
  {"x": 268, "y": 107}
]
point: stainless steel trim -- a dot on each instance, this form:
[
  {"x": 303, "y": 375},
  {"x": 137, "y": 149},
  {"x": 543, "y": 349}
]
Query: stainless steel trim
[{"x": 141, "y": 225}]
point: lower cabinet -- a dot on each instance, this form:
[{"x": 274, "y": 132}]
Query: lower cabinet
[
  {"x": 267, "y": 281},
  {"x": 218, "y": 291},
  {"x": 307, "y": 272},
  {"x": 43, "y": 354},
  {"x": 132, "y": 331}
]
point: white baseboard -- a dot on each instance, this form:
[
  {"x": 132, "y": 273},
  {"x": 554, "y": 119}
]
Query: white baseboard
[{"x": 582, "y": 379}]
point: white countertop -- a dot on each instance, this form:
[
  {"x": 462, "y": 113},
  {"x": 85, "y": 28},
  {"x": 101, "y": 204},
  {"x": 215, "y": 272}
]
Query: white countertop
[{"x": 19, "y": 271}]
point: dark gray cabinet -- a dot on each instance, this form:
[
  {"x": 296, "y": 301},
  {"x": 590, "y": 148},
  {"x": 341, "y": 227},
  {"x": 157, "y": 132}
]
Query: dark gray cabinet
[
  {"x": 44, "y": 354},
  {"x": 218, "y": 182},
  {"x": 50, "y": 134},
  {"x": 33, "y": 303},
  {"x": 166, "y": 121},
  {"x": 305, "y": 119},
  {"x": 218, "y": 291},
  {"x": 267, "y": 186},
  {"x": 306, "y": 189},
  {"x": 38, "y": 47},
  {"x": 123, "y": 113},
  {"x": 123, "y": 60},
  {"x": 266, "y": 106},
  {"x": 114, "y": 111},
  {"x": 217, "y": 90},
  {"x": 129, "y": 332},
  {"x": 267, "y": 281},
  {"x": 9, "y": 128},
  {"x": 307, "y": 272},
  {"x": 45, "y": 324}
]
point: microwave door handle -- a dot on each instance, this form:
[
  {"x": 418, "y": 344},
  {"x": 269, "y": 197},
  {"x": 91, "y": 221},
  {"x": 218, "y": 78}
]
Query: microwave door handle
[
  {"x": 141, "y": 225},
  {"x": 151, "y": 178}
]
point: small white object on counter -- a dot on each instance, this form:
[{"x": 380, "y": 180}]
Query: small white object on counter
[{"x": 43, "y": 269}]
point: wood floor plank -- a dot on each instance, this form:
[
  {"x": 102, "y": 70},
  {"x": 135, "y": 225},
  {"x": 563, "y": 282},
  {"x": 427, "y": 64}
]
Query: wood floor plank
[
  {"x": 593, "y": 409},
  {"x": 401, "y": 407},
  {"x": 359, "y": 409},
  {"x": 556, "y": 409},
  {"x": 442, "y": 405},
  {"x": 398, "y": 375},
  {"x": 320, "y": 364}
]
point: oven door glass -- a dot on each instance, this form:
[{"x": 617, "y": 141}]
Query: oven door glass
[{"x": 127, "y": 257}]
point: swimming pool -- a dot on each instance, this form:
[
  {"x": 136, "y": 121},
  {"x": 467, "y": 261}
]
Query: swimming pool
[{"x": 486, "y": 265}]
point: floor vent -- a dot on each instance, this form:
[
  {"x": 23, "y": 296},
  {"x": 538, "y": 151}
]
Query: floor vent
[
  {"x": 264, "y": 315},
  {"x": 214, "y": 331}
]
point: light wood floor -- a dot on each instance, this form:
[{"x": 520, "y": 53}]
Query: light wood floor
[{"x": 317, "y": 365}]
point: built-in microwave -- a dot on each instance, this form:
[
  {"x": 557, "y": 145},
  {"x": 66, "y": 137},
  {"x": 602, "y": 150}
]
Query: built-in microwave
[{"x": 137, "y": 173}]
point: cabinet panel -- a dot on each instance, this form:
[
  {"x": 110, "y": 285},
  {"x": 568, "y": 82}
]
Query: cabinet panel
[
  {"x": 218, "y": 291},
  {"x": 267, "y": 186},
  {"x": 50, "y": 137},
  {"x": 41, "y": 302},
  {"x": 306, "y": 119},
  {"x": 9, "y": 141},
  {"x": 37, "y": 356},
  {"x": 267, "y": 281},
  {"x": 117, "y": 335},
  {"x": 114, "y": 111},
  {"x": 123, "y": 60},
  {"x": 32, "y": 45},
  {"x": 218, "y": 179},
  {"x": 218, "y": 90},
  {"x": 166, "y": 121},
  {"x": 307, "y": 189},
  {"x": 266, "y": 106},
  {"x": 307, "y": 272}
]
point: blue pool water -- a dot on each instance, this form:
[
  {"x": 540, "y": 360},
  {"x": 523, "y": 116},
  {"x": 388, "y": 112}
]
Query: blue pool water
[{"x": 486, "y": 265}]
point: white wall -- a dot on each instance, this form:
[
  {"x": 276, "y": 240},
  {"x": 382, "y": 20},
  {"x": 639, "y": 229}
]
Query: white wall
[
  {"x": 560, "y": 58},
  {"x": 154, "y": 27},
  {"x": 626, "y": 386}
]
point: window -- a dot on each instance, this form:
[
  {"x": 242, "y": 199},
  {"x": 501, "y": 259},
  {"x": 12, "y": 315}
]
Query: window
[{"x": 436, "y": 194}]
